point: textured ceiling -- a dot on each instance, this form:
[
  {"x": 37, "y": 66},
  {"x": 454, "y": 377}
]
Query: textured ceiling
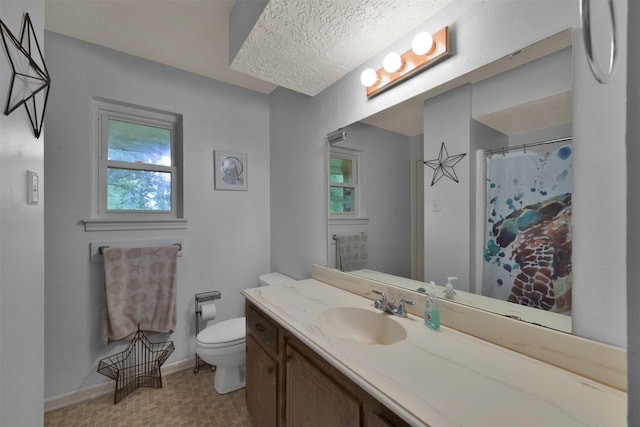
[
  {"x": 307, "y": 45},
  {"x": 303, "y": 45},
  {"x": 538, "y": 114}
]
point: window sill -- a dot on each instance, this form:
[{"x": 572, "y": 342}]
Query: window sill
[
  {"x": 128, "y": 225},
  {"x": 349, "y": 221}
]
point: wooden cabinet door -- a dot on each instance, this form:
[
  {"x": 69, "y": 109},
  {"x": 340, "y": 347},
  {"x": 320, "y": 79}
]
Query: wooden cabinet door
[
  {"x": 373, "y": 419},
  {"x": 261, "y": 385},
  {"x": 313, "y": 399}
]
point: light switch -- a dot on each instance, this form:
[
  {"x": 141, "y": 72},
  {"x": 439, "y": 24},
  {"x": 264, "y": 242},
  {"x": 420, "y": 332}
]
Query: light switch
[
  {"x": 436, "y": 206},
  {"x": 33, "y": 188}
]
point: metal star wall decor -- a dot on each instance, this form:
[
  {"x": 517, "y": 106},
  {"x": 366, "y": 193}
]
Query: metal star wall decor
[
  {"x": 30, "y": 81},
  {"x": 443, "y": 165}
]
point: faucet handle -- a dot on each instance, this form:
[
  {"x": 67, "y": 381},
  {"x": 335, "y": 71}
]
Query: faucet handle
[
  {"x": 400, "y": 310},
  {"x": 382, "y": 294},
  {"x": 382, "y": 302}
]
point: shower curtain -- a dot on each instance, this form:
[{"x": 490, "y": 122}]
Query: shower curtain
[{"x": 527, "y": 251}]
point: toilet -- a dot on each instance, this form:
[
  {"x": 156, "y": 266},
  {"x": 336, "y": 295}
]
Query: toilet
[{"x": 223, "y": 344}]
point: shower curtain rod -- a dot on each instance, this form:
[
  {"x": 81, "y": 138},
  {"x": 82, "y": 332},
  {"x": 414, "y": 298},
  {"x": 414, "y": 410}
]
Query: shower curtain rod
[{"x": 524, "y": 146}]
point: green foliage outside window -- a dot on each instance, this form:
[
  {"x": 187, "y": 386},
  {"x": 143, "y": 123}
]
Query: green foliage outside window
[
  {"x": 341, "y": 197},
  {"x": 138, "y": 190},
  {"x": 136, "y": 187}
]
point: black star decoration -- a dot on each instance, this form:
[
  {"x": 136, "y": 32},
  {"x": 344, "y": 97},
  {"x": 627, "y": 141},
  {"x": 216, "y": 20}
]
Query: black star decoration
[
  {"x": 443, "y": 165},
  {"x": 30, "y": 80}
]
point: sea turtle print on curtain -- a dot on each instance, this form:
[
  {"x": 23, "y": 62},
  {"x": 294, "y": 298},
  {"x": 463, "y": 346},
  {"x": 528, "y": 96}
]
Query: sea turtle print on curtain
[{"x": 528, "y": 238}]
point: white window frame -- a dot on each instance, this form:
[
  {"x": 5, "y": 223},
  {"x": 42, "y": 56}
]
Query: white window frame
[
  {"x": 106, "y": 219},
  {"x": 355, "y": 157}
]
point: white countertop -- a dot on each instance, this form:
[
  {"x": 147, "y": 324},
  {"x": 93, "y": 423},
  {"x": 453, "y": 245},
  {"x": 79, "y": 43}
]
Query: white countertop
[{"x": 445, "y": 377}]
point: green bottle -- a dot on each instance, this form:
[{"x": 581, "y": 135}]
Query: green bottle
[{"x": 431, "y": 310}]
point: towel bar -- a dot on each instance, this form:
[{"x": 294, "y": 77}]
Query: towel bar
[
  {"x": 335, "y": 236},
  {"x": 100, "y": 248},
  {"x": 96, "y": 248}
]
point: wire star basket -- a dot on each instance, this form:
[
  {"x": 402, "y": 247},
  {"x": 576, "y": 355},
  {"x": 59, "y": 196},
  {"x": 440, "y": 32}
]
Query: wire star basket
[{"x": 137, "y": 366}]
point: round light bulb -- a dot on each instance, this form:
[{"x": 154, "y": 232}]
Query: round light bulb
[
  {"x": 422, "y": 43},
  {"x": 369, "y": 77},
  {"x": 392, "y": 62}
]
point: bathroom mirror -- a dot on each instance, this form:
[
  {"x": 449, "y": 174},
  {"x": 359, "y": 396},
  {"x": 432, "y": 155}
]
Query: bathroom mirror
[{"x": 522, "y": 102}]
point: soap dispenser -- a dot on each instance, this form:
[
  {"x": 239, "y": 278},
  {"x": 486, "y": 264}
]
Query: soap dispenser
[
  {"x": 431, "y": 310},
  {"x": 448, "y": 292}
]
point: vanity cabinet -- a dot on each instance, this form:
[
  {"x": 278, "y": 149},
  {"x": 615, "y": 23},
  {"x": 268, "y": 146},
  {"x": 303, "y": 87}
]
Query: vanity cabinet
[
  {"x": 312, "y": 398},
  {"x": 263, "y": 371},
  {"x": 261, "y": 388},
  {"x": 288, "y": 384}
]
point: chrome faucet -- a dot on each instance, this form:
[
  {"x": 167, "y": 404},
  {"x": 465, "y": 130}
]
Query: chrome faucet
[
  {"x": 399, "y": 310},
  {"x": 391, "y": 307},
  {"x": 380, "y": 304}
]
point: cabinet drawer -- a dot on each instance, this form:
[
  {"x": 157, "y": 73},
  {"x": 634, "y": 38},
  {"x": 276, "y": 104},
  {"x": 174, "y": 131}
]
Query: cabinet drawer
[{"x": 263, "y": 330}]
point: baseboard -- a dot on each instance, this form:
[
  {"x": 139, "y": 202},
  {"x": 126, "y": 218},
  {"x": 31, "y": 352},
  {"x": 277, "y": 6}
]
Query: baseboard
[{"x": 100, "y": 390}]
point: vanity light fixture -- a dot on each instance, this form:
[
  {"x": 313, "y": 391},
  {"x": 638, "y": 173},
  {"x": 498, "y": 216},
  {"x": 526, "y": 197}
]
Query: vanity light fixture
[
  {"x": 369, "y": 77},
  {"x": 426, "y": 50},
  {"x": 422, "y": 43},
  {"x": 392, "y": 62}
]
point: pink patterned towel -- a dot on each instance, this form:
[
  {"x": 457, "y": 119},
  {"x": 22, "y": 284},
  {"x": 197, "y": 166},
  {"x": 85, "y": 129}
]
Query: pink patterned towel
[{"x": 140, "y": 287}]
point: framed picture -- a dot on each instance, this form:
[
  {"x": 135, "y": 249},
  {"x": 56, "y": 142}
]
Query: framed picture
[{"x": 230, "y": 170}]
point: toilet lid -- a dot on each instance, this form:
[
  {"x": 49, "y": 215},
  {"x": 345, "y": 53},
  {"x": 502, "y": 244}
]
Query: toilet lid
[{"x": 224, "y": 332}]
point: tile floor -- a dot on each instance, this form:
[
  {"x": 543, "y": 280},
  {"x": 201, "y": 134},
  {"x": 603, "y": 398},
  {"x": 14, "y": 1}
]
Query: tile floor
[{"x": 185, "y": 399}]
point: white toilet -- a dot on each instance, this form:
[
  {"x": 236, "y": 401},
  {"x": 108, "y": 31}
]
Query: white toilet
[{"x": 223, "y": 344}]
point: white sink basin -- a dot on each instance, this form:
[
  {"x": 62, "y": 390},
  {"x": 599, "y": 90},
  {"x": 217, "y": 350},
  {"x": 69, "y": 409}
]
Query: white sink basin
[{"x": 362, "y": 326}]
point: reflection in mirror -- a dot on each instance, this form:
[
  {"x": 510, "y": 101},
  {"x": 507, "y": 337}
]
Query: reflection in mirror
[{"x": 507, "y": 238}]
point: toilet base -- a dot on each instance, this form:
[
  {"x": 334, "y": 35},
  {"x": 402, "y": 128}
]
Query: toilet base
[{"x": 226, "y": 379}]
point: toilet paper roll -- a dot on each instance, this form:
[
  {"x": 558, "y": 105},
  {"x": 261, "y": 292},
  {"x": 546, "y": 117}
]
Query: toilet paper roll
[{"x": 208, "y": 311}]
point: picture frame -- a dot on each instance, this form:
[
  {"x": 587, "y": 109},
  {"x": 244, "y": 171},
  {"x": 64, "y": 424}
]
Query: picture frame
[{"x": 230, "y": 171}]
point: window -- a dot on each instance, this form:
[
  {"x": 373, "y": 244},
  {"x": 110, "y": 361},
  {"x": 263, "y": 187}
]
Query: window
[
  {"x": 344, "y": 193},
  {"x": 138, "y": 163}
]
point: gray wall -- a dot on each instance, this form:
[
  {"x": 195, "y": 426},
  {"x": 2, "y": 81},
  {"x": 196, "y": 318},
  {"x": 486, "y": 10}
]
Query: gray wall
[
  {"x": 599, "y": 252},
  {"x": 298, "y": 182},
  {"x": 545, "y": 76},
  {"x": 633, "y": 211},
  {"x": 448, "y": 230},
  {"x": 386, "y": 191},
  {"x": 226, "y": 244},
  {"x": 484, "y": 31},
  {"x": 21, "y": 247}
]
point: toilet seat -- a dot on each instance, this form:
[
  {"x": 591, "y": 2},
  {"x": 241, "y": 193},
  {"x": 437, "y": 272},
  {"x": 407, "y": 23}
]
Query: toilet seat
[{"x": 223, "y": 334}]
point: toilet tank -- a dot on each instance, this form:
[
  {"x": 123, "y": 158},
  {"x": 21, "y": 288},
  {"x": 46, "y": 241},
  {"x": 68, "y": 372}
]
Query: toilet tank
[{"x": 274, "y": 278}]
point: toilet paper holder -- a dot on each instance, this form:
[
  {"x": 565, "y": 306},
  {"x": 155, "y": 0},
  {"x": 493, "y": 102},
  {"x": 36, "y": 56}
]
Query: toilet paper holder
[
  {"x": 199, "y": 299},
  {"x": 204, "y": 297}
]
